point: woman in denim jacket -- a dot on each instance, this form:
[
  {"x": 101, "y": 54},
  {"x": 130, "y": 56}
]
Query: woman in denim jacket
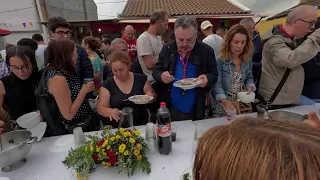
[{"x": 234, "y": 67}]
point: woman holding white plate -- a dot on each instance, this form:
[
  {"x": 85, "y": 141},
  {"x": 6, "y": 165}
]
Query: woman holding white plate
[
  {"x": 234, "y": 69},
  {"x": 115, "y": 91}
]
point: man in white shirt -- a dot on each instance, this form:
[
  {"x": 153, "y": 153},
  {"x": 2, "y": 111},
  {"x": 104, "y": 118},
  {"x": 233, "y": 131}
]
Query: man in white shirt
[
  {"x": 40, "y": 51},
  {"x": 149, "y": 46},
  {"x": 149, "y": 43},
  {"x": 213, "y": 40}
]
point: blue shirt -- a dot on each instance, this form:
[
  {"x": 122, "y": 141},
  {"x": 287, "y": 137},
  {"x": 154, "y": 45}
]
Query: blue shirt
[{"x": 184, "y": 103}]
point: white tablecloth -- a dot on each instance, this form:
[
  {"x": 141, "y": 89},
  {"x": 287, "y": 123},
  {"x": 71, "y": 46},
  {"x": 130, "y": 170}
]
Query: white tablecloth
[{"x": 45, "y": 165}]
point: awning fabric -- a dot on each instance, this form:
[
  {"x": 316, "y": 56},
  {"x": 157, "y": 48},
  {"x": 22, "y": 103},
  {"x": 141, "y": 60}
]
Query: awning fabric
[{"x": 4, "y": 32}]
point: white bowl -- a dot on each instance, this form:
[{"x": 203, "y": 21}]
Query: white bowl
[
  {"x": 246, "y": 98},
  {"x": 29, "y": 120},
  {"x": 39, "y": 130}
]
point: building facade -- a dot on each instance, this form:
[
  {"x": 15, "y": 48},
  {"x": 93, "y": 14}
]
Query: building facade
[{"x": 22, "y": 17}]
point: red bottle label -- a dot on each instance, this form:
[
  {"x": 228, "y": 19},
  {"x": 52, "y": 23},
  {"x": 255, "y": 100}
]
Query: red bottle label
[{"x": 164, "y": 130}]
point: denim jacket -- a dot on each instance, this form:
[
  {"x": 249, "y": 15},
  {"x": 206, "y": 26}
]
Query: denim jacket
[{"x": 223, "y": 84}]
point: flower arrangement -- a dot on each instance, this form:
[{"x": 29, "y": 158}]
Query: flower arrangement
[{"x": 124, "y": 149}]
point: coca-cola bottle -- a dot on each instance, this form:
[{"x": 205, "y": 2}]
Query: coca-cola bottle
[{"x": 164, "y": 129}]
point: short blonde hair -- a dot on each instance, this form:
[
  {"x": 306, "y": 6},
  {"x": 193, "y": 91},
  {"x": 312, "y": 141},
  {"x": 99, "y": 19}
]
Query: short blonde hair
[
  {"x": 225, "y": 51},
  {"x": 255, "y": 149}
]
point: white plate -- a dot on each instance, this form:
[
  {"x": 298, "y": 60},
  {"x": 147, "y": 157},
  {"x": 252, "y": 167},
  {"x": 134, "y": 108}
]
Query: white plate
[
  {"x": 140, "y": 102},
  {"x": 4, "y": 178},
  {"x": 189, "y": 170},
  {"x": 198, "y": 81},
  {"x": 64, "y": 143},
  {"x": 39, "y": 130}
]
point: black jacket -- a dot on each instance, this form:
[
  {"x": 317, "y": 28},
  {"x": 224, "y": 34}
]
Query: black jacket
[
  {"x": 311, "y": 87},
  {"x": 203, "y": 56},
  {"x": 84, "y": 65}
]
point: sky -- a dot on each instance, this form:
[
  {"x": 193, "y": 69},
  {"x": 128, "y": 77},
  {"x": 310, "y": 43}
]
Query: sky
[
  {"x": 111, "y": 8},
  {"x": 268, "y": 7},
  {"x": 108, "y": 9}
]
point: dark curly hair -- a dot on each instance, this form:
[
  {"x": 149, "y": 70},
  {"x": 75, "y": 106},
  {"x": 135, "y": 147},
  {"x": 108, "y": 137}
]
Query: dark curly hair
[
  {"x": 93, "y": 43},
  {"x": 58, "y": 22}
]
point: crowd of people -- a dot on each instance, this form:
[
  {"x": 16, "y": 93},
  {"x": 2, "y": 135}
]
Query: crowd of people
[{"x": 61, "y": 79}]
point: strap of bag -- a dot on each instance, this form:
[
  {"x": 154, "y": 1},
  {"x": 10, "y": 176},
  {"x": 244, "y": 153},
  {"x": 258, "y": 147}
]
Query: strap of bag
[{"x": 280, "y": 85}]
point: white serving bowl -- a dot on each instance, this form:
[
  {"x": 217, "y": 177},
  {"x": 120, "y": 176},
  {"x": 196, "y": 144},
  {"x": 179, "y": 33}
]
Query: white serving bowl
[
  {"x": 244, "y": 97},
  {"x": 29, "y": 120}
]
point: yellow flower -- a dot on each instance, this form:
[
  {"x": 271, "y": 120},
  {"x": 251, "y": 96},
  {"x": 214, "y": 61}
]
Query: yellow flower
[
  {"x": 122, "y": 147},
  {"x": 103, "y": 150},
  {"x": 139, "y": 157},
  {"x": 118, "y": 137},
  {"x": 105, "y": 143},
  {"x": 104, "y": 154},
  {"x": 112, "y": 138},
  {"x": 128, "y": 133},
  {"x": 136, "y": 152},
  {"x": 81, "y": 178},
  {"x": 137, "y": 133},
  {"x": 91, "y": 148},
  {"x": 97, "y": 149},
  {"x": 103, "y": 163},
  {"x": 108, "y": 164},
  {"x": 126, "y": 153},
  {"x": 139, "y": 146},
  {"x": 121, "y": 130},
  {"x": 108, "y": 148},
  {"x": 132, "y": 141}
]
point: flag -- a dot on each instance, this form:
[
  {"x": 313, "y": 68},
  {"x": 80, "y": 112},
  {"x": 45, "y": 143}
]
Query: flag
[
  {"x": 31, "y": 24},
  {"x": 24, "y": 25}
]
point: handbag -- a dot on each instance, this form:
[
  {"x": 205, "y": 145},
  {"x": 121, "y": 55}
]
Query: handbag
[
  {"x": 87, "y": 125},
  {"x": 48, "y": 108}
]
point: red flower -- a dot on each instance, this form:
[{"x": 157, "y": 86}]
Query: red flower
[
  {"x": 95, "y": 157},
  {"x": 113, "y": 160},
  {"x": 100, "y": 143},
  {"x": 110, "y": 154}
]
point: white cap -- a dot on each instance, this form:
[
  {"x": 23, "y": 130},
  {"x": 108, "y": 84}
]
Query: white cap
[{"x": 205, "y": 24}]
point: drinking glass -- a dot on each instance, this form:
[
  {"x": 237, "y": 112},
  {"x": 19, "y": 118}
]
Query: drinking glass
[
  {"x": 261, "y": 110},
  {"x": 126, "y": 118},
  {"x": 231, "y": 114}
]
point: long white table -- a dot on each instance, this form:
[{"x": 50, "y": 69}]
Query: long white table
[{"x": 45, "y": 165}]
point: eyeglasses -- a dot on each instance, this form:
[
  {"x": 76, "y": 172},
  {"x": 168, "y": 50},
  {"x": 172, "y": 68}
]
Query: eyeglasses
[
  {"x": 187, "y": 42},
  {"x": 16, "y": 69},
  {"x": 62, "y": 33},
  {"x": 311, "y": 23}
]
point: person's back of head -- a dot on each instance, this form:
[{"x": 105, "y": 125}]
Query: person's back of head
[
  {"x": 28, "y": 42},
  {"x": 106, "y": 36},
  {"x": 37, "y": 37},
  {"x": 8, "y": 45},
  {"x": 91, "y": 43},
  {"x": 119, "y": 44},
  {"x": 248, "y": 23},
  {"x": 61, "y": 55},
  {"x": 301, "y": 20},
  {"x": 254, "y": 149}
]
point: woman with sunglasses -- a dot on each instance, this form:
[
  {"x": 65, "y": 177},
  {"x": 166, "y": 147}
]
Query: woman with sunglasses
[{"x": 17, "y": 90}]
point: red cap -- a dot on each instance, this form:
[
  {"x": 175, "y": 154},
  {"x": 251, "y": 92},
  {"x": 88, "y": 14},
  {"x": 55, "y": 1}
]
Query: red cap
[{"x": 162, "y": 104}]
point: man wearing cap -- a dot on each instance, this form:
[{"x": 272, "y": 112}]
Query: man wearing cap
[{"x": 213, "y": 40}]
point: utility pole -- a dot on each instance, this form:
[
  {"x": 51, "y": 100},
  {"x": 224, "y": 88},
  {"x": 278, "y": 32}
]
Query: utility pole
[{"x": 85, "y": 9}]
